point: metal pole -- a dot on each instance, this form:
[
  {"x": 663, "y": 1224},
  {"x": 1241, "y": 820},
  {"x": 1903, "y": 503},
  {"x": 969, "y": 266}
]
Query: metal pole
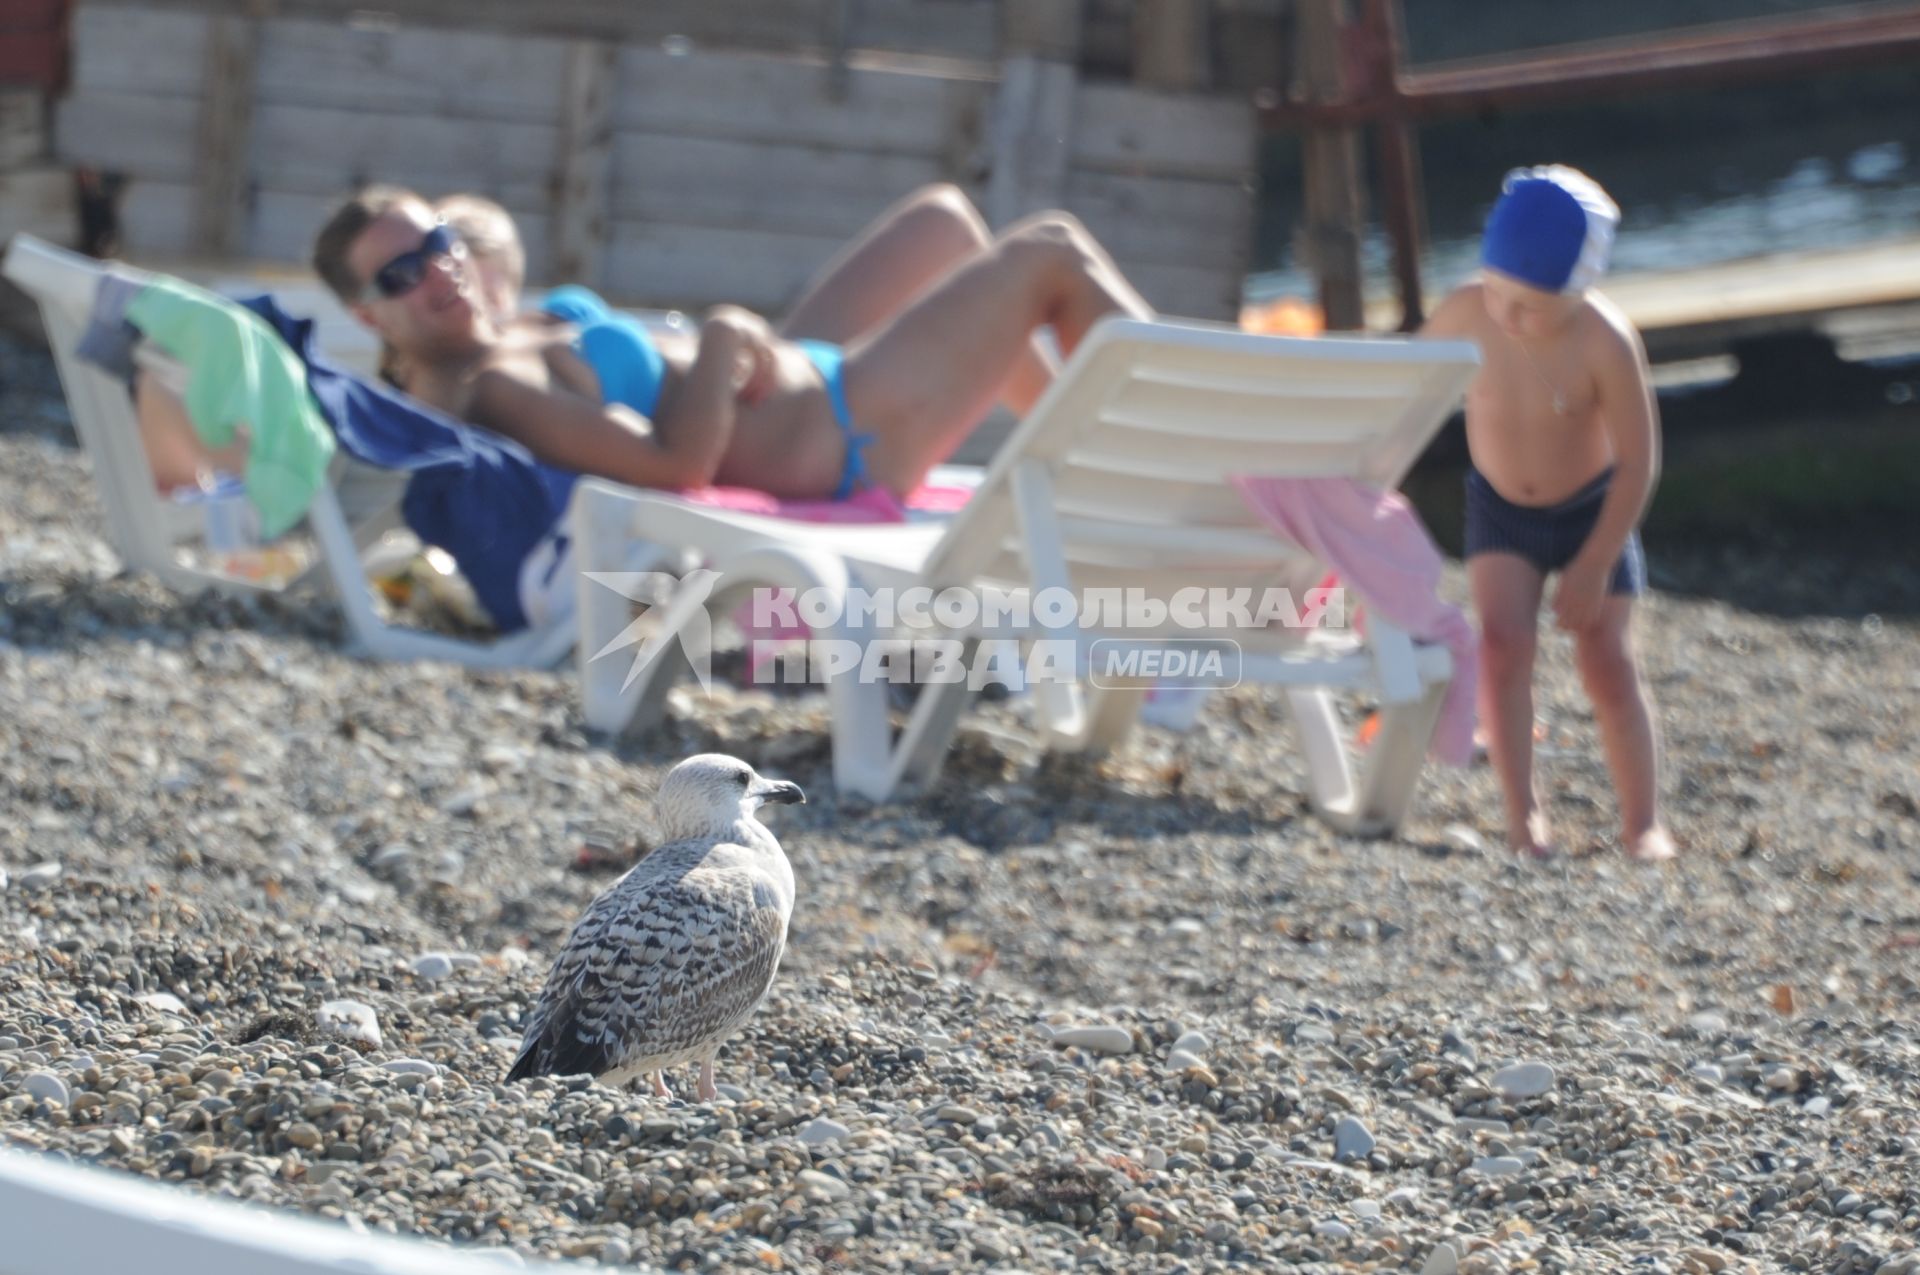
[
  {"x": 1333, "y": 202},
  {"x": 1396, "y": 153}
]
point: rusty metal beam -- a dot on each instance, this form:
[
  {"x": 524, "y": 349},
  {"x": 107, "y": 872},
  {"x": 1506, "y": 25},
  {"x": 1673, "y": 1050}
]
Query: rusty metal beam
[{"x": 1695, "y": 58}]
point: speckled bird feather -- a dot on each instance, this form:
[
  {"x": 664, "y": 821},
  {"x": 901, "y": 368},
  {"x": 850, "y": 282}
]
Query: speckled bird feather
[{"x": 662, "y": 966}]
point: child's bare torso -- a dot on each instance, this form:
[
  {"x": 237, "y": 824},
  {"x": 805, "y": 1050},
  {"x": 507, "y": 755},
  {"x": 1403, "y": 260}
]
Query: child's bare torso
[
  {"x": 787, "y": 443},
  {"x": 1534, "y": 424}
]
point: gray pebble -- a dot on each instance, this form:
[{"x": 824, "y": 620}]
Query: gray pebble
[
  {"x": 40, "y": 876},
  {"x": 1524, "y": 1080},
  {"x": 48, "y": 1087},
  {"x": 410, "y": 1067},
  {"x": 1098, "y": 1040},
  {"x": 349, "y": 1020},
  {"x": 165, "y": 1002},
  {"x": 823, "y": 1183},
  {"x": 1352, "y": 1140},
  {"x": 822, "y": 1131},
  {"x": 1495, "y": 1166}
]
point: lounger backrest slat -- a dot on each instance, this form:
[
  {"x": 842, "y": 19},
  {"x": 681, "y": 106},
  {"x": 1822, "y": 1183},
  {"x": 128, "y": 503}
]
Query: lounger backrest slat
[{"x": 1145, "y": 430}]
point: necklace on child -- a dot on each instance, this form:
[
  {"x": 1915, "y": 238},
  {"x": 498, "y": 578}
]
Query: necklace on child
[{"x": 1559, "y": 399}]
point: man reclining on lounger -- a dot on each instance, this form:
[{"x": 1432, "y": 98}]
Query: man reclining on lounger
[{"x": 736, "y": 403}]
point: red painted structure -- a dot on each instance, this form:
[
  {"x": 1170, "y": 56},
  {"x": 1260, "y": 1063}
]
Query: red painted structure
[{"x": 33, "y": 44}]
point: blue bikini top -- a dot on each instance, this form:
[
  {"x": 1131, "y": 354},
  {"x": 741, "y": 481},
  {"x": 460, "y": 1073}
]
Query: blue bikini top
[{"x": 616, "y": 346}]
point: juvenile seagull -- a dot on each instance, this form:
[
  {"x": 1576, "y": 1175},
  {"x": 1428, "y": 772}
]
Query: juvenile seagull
[{"x": 673, "y": 957}]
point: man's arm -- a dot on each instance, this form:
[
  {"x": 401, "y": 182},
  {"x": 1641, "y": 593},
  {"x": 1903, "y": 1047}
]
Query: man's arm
[{"x": 681, "y": 450}]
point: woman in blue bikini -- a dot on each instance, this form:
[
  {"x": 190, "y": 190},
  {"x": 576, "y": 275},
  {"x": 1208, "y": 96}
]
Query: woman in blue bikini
[{"x": 736, "y": 403}]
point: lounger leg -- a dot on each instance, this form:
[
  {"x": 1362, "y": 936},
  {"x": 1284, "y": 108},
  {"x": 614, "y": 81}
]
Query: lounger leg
[
  {"x": 1112, "y": 712},
  {"x": 600, "y": 541},
  {"x": 862, "y": 737},
  {"x": 923, "y": 744},
  {"x": 1394, "y": 761},
  {"x": 1329, "y": 774},
  {"x": 1061, "y": 712}
]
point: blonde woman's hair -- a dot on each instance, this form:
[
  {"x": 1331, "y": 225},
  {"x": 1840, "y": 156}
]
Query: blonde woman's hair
[{"x": 488, "y": 231}]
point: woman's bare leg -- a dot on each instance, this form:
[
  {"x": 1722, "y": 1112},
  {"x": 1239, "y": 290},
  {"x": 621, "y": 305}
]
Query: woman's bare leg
[
  {"x": 923, "y": 381},
  {"x": 907, "y": 250}
]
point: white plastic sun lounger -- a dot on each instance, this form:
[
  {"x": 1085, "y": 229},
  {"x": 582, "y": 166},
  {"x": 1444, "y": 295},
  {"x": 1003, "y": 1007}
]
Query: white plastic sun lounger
[
  {"x": 148, "y": 531},
  {"x": 1119, "y": 478},
  {"x": 66, "y": 1219}
]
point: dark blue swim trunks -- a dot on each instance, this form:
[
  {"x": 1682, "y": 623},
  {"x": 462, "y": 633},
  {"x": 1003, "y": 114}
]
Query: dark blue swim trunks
[{"x": 1548, "y": 536}]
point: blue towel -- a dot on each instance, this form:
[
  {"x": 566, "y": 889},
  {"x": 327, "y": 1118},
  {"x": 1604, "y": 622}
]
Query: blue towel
[{"x": 482, "y": 498}]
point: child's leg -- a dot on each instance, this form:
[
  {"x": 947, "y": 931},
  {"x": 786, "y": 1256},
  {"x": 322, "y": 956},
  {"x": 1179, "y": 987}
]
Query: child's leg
[
  {"x": 908, "y": 249},
  {"x": 1604, "y": 654},
  {"x": 1506, "y": 594}
]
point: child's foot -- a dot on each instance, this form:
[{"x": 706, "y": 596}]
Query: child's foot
[
  {"x": 1652, "y": 846},
  {"x": 1532, "y": 837}
]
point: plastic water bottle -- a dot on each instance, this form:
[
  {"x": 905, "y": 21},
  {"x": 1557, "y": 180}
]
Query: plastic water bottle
[{"x": 228, "y": 521}]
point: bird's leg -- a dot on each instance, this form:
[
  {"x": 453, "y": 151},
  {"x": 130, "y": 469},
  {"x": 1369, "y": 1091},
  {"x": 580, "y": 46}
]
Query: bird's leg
[
  {"x": 660, "y": 1089},
  {"x": 706, "y": 1091}
]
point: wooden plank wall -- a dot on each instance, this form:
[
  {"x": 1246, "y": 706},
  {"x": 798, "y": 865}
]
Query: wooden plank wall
[{"x": 664, "y": 177}]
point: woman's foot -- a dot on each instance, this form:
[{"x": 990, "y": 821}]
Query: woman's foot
[{"x": 1655, "y": 845}]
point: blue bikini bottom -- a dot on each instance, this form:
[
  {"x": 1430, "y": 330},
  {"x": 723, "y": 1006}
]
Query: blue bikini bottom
[{"x": 829, "y": 359}]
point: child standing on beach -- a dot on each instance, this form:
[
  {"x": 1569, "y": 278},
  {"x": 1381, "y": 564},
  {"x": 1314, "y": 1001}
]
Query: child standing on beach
[{"x": 1565, "y": 444}]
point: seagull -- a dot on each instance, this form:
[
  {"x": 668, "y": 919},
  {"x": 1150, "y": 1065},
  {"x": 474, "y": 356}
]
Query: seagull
[{"x": 673, "y": 957}]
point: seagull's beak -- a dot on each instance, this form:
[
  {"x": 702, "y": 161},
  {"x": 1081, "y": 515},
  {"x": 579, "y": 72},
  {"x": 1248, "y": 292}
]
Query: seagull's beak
[{"x": 777, "y": 791}]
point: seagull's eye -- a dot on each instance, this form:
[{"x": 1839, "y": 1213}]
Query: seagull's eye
[{"x": 741, "y": 779}]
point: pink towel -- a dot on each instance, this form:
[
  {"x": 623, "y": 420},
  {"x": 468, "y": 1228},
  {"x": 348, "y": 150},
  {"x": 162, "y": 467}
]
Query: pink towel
[
  {"x": 1378, "y": 545},
  {"x": 873, "y": 504}
]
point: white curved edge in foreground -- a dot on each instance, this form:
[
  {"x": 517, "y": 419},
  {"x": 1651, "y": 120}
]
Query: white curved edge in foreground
[{"x": 58, "y": 1218}]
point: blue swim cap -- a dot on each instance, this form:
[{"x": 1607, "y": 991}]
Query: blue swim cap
[{"x": 1552, "y": 228}]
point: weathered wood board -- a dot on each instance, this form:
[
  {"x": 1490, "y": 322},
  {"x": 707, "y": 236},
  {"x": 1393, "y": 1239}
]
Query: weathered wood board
[{"x": 661, "y": 175}]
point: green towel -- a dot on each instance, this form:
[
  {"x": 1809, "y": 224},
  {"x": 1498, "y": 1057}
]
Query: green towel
[{"x": 239, "y": 372}]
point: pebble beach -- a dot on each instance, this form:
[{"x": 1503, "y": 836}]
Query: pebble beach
[{"x": 271, "y": 918}]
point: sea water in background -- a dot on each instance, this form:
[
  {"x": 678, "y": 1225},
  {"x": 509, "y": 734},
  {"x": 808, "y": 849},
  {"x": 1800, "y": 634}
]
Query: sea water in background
[{"x": 1828, "y": 161}]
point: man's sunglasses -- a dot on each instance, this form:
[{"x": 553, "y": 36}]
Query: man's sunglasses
[{"x": 403, "y": 274}]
